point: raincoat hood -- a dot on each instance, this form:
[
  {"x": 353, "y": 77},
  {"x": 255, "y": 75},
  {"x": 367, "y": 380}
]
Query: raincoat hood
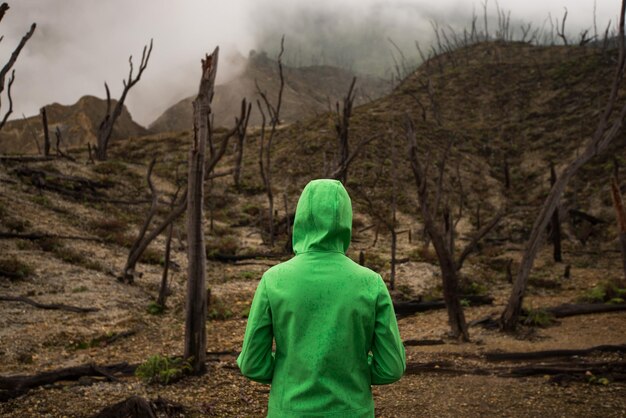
[{"x": 323, "y": 220}]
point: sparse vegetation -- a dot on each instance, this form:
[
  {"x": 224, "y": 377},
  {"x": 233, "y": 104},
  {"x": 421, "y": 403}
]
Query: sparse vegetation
[
  {"x": 13, "y": 268},
  {"x": 162, "y": 369}
]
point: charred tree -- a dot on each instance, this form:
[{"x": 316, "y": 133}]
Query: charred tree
[
  {"x": 442, "y": 243},
  {"x": 456, "y": 317},
  {"x": 555, "y": 223},
  {"x": 195, "y": 324},
  {"x": 608, "y": 128},
  {"x": 342, "y": 127},
  {"x": 46, "y": 132},
  {"x": 163, "y": 290},
  {"x": 620, "y": 213},
  {"x": 105, "y": 130},
  {"x": 136, "y": 250},
  {"x": 8, "y": 66},
  {"x": 265, "y": 150},
  {"x": 241, "y": 140}
]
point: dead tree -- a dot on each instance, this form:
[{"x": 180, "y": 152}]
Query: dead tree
[
  {"x": 555, "y": 223},
  {"x": 8, "y": 66},
  {"x": 620, "y": 213},
  {"x": 163, "y": 290},
  {"x": 195, "y": 323},
  {"x": 145, "y": 238},
  {"x": 241, "y": 140},
  {"x": 128, "y": 274},
  {"x": 46, "y": 132},
  {"x": 342, "y": 127},
  {"x": 265, "y": 150},
  {"x": 382, "y": 215},
  {"x": 448, "y": 265},
  {"x": 608, "y": 128},
  {"x": 105, "y": 130},
  {"x": 561, "y": 33}
]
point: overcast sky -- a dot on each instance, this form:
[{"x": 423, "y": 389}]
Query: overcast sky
[{"x": 79, "y": 44}]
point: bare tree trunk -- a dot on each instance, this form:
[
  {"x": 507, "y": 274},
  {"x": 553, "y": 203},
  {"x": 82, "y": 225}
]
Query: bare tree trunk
[
  {"x": 606, "y": 131},
  {"x": 195, "y": 324},
  {"x": 166, "y": 267},
  {"x": 265, "y": 151},
  {"x": 46, "y": 132},
  {"x": 620, "y": 213},
  {"x": 241, "y": 140},
  {"x": 555, "y": 223},
  {"x": 392, "y": 276},
  {"x": 456, "y": 317}
]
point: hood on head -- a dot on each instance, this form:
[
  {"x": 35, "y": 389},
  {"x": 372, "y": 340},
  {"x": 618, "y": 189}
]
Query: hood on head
[{"x": 323, "y": 220}]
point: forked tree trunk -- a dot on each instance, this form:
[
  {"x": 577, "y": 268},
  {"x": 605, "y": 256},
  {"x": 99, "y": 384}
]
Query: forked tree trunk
[
  {"x": 195, "y": 324},
  {"x": 456, "y": 317}
]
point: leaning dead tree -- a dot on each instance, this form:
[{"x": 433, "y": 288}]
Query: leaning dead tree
[
  {"x": 8, "y": 66},
  {"x": 105, "y": 130},
  {"x": 443, "y": 239},
  {"x": 265, "y": 150},
  {"x": 609, "y": 126}
]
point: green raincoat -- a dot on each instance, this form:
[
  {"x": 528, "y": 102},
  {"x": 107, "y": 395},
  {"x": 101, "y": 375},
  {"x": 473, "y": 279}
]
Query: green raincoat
[{"x": 332, "y": 319}]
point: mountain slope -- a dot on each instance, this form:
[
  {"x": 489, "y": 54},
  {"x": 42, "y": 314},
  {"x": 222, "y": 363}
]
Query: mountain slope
[
  {"x": 78, "y": 124},
  {"x": 308, "y": 91}
]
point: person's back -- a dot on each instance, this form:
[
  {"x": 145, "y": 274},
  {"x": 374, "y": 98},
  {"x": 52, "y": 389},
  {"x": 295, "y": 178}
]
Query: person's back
[{"x": 333, "y": 320}]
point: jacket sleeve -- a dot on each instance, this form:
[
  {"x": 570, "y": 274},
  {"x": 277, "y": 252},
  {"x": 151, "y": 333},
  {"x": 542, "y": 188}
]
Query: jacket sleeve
[
  {"x": 256, "y": 360},
  {"x": 387, "y": 362}
]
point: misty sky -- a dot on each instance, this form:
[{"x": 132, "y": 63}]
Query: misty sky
[{"x": 79, "y": 44}]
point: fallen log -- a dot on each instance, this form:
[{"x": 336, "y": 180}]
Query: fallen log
[
  {"x": 26, "y": 158},
  {"x": 616, "y": 371},
  {"x": 540, "y": 355},
  {"x": 567, "y": 309},
  {"x": 422, "y": 343},
  {"x": 36, "y": 236},
  {"x": 414, "y": 306},
  {"x": 14, "y": 386},
  {"x": 53, "y": 306}
]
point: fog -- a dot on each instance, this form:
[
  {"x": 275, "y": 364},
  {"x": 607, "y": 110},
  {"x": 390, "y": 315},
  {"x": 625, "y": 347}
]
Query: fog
[{"x": 79, "y": 44}]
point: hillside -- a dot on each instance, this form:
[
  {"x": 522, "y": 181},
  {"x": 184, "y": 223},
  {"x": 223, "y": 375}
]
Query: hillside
[
  {"x": 308, "y": 91},
  {"x": 531, "y": 104},
  {"x": 78, "y": 124}
]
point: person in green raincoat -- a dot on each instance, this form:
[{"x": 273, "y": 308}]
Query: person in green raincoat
[{"x": 333, "y": 320}]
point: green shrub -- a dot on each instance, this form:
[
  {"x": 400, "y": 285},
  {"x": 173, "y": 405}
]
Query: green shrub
[
  {"x": 163, "y": 370},
  {"x": 155, "y": 309},
  {"x": 609, "y": 291},
  {"x": 538, "y": 318}
]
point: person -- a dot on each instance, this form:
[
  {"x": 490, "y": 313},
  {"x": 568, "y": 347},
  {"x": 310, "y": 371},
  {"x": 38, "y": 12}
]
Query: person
[{"x": 332, "y": 320}]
